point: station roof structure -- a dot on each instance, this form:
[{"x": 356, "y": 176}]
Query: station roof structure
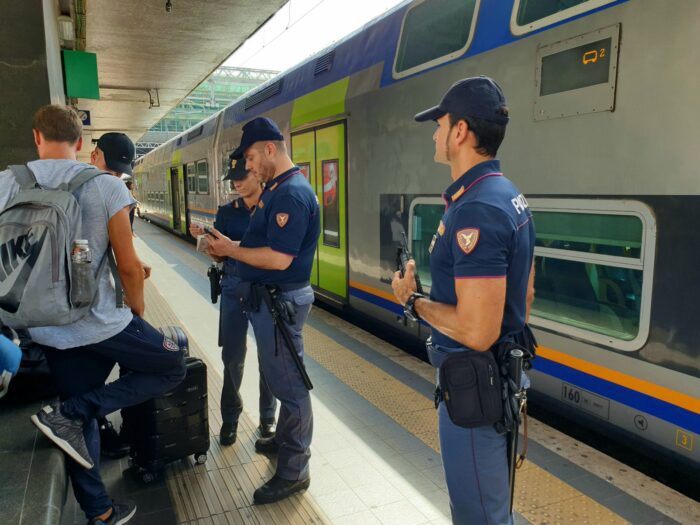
[{"x": 149, "y": 59}]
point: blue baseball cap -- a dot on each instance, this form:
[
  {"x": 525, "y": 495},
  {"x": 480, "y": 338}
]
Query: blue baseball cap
[
  {"x": 257, "y": 130},
  {"x": 10, "y": 358},
  {"x": 478, "y": 97},
  {"x": 236, "y": 170}
]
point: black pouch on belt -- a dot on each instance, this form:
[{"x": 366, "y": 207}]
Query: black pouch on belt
[{"x": 470, "y": 387}]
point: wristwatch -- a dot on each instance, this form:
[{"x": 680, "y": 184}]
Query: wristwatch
[{"x": 409, "y": 309}]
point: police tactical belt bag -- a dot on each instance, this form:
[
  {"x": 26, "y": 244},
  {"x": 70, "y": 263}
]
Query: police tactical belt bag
[
  {"x": 476, "y": 387},
  {"x": 470, "y": 387},
  {"x": 37, "y": 230}
]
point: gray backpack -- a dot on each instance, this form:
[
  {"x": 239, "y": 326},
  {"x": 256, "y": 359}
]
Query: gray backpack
[{"x": 37, "y": 230}]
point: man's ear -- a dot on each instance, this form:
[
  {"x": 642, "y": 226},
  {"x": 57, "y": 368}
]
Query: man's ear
[
  {"x": 79, "y": 144},
  {"x": 462, "y": 134},
  {"x": 37, "y": 137}
]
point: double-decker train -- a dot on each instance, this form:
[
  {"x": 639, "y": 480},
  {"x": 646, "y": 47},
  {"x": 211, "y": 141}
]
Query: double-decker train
[{"x": 603, "y": 98}]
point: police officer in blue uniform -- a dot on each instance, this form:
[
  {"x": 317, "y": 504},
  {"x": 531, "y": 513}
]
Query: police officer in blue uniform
[
  {"x": 232, "y": 220},
  {"x": 482, "y": 282},
  {"x": 277, "y": 253}
]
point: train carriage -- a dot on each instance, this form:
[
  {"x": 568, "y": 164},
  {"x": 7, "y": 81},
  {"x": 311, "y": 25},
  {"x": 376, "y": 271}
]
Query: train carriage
[{"x": 602, "y": 97}]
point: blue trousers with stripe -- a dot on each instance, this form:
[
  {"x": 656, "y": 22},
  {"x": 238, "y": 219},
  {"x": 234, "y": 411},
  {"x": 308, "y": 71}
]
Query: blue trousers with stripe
[{"x": 295, "y": 422}]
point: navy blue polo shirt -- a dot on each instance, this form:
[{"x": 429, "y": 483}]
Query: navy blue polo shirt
[
  {"x": 232, "y": 220},
  {"x": 286, "y": 219},
  {"x": 486, "y": 231}
]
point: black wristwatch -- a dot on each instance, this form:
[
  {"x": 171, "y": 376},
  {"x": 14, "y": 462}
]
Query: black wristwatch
[{"x": 409, "y": 309}]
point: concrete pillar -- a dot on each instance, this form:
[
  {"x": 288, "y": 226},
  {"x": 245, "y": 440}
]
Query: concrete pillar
[{"x": 30, "y": 73}]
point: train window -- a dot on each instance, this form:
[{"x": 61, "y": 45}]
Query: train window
[
  {"x": 424, "y": 219},
  {"x": 593, "y": 269},
  {"x": 529, "y": 15},
  {"x": 202, "y": 176},
  {"x": 191, "y": 178},
  {"x": 434, "y": 32},
  {"x": 331, "y": 209}
]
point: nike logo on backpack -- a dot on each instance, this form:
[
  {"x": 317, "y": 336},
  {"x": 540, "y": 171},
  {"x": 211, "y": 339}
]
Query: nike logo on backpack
[{"x": 24, "y": 254}]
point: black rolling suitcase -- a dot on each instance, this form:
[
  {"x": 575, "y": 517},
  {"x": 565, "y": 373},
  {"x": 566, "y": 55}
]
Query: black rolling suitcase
[{"x": 170, "y": 427}]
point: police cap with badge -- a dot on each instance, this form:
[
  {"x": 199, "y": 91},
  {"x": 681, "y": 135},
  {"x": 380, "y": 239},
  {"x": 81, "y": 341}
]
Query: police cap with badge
[
  {"x": 236, "y": 170},
  {"x": 257, "y": 130}
]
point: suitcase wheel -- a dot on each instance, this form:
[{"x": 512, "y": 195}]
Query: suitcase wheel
[
  {"x": 147, "y": 477},
  {"x": 201, "y": 458}
]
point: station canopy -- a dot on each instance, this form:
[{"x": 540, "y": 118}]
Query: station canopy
[{"x": 149, "y": 59}]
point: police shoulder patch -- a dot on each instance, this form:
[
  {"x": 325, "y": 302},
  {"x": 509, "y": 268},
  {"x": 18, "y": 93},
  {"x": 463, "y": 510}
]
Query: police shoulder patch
[
  {"x": 467, "y": 239},
  {"x": 282, "y": 219}
]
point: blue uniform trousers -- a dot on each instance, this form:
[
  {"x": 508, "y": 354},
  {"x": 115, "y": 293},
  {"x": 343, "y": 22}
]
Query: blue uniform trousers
[
  {"x": 80, "y": 375},
  {"x": 475, "y": 463},
  {"x": 233, "y": 330},
  {"x": 476, "y": 471},
  {"x": 295, "y": 422}
]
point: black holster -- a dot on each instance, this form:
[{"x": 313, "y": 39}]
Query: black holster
[{"x": 214, "y": 275}]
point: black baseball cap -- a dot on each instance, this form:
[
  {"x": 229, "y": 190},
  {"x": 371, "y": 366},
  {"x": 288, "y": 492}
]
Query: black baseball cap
[
  {"x": 478, "y": 97},
  {"x": 119, "y": 152},
  {"x": 236, "y": 170},
  {"x": 257, "y": 130}
]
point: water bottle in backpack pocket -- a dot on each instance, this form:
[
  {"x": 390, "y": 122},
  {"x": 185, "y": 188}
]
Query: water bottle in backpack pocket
[{"x": 82, "y": 282}]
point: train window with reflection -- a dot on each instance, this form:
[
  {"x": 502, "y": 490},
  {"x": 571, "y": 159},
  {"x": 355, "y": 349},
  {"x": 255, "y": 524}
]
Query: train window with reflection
[
  {"x": 529, "y": 15},
  {"x": 593, "y": 270},
  {"x": 425, "y": 216},
  {"x": 191, "y": 178},
  {"x": 433, "y": 32},
  {"x": 202, "y": 176}
]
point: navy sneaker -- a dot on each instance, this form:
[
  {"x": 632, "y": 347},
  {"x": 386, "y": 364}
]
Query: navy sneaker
[
  {"x": 121, "y": 513},
  {"x": 65, "y": 432}
]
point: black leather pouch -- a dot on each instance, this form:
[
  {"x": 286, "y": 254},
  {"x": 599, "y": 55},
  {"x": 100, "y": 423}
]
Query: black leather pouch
[{"x": 470, "y": 387}]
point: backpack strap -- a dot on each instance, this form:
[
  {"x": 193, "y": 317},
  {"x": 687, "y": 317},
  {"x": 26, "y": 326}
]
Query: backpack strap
[
  {"x": 24, "y": 176},
  {"x": 84, "y": 176},
  {"x": 118, "y": 288}
]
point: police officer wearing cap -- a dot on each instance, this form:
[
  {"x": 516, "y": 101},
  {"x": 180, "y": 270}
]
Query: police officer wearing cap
[
  {"x": 482, "y": 282},
  {"x": 277, "y": 253},
  {"x": 232, "y": 220}
]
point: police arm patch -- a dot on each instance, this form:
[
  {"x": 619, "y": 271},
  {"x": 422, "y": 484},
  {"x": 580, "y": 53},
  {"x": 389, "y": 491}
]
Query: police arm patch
[
  {"x": 467, "y": 239},
  {"x": 282, "y": 219}
]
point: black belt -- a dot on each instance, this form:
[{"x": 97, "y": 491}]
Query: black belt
[{"x": 290, "y": 287}]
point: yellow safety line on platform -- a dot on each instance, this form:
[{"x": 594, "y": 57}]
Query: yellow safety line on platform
[{"x": 540, "y": 496}]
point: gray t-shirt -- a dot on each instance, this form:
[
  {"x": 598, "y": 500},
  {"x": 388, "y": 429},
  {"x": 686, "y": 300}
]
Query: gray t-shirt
[{"x": 99, "y": 199}]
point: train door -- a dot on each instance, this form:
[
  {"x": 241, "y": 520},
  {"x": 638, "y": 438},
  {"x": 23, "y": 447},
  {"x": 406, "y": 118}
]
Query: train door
[
  {"x": 177, "y": 195},
  {"x": 320, "y": 153},
  {"x": 175, "y": 198}
]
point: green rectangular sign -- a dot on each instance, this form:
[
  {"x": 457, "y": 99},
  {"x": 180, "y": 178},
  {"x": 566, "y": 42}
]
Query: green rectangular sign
[{"x": 80, "y": 74}]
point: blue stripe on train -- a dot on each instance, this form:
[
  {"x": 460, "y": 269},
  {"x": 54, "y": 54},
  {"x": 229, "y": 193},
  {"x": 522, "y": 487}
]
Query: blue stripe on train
[
  {"x": 632, "y": 398},
  {"x": 626, "y": 396},
  {"x": 383, "y": 303}
]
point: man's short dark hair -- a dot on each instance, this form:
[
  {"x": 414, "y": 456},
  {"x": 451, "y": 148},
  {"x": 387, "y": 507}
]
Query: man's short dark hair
[
  {"x": 58, "y": 123},
  {"x": 489, "y": 135}
]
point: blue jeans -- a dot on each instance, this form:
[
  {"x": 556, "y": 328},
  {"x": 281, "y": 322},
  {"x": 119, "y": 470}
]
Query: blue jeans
[
  {"x": 80, "y": 375},
  {"x": 295, "y": 423},
  {"x": 233, "y": 325}
]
